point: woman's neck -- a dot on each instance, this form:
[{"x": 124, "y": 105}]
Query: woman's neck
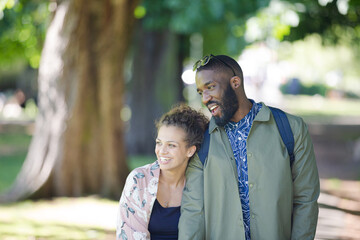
[{"x": 172, "y": 179}]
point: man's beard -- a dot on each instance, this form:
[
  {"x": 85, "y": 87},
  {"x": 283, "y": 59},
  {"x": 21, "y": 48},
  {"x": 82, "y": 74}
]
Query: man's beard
[{"x": 228, "y": 105}]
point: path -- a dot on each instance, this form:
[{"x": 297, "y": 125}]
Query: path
[{"x": 336, "y": 150}]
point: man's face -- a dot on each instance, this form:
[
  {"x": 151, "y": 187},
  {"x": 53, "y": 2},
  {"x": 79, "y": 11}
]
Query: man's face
[{"x": 217, "y": 95}]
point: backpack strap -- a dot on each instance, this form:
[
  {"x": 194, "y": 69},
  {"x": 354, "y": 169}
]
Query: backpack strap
[
  {"x": 286, "y": 133},
  {"x": 204, "y": 149},
  {"x": 284, "y": 128}
]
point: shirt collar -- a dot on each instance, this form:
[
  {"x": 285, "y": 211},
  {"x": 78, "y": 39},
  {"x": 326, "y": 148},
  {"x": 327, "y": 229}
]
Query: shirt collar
[{"x": 262, "y": 116}]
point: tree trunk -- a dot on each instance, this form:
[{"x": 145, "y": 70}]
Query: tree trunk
[
  {"x": 155, "y": 85},
  {"x": 78, "y": 147}
]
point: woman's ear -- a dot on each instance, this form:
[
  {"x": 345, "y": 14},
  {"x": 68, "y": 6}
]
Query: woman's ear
[{"x": 191, "y": 151}]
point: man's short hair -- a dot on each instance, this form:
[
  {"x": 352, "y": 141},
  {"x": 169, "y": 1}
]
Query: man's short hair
[{"x": 217, "y": 64}]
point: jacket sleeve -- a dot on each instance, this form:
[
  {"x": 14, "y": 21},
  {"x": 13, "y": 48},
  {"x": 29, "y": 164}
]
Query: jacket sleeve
[
  {"x": 192, "y": 222},
  {"x": 306, "y": 187},
  {"x": 131, "y": 219}
]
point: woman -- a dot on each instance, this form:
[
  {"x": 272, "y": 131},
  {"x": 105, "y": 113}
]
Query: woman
[{"x": 149, "y": 206}]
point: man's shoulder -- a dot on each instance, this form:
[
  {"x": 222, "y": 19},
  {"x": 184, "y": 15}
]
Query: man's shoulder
[
  {"x": 296, "y": 122},
  {"x": 295, "y": 119}
]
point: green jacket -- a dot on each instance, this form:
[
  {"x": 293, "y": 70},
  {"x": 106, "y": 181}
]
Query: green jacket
[{"x": 283, "y": 200}]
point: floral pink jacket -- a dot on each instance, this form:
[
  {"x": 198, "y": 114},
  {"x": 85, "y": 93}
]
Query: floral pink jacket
[{"x": 136, "y": 202}]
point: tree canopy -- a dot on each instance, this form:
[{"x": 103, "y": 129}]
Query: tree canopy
[
  {"x": 226, "y": 26},
  {"x": 23, "y": 25}
]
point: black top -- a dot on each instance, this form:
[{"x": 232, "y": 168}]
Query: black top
[{"x": 164, "y": 222}]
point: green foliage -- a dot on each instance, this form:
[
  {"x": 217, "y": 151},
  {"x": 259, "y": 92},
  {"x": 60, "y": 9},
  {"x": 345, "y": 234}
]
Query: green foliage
[
  {"x": 321, "y": 18},
  {"x": 313, "y": 62},
  {"x": 311, "y": 90},
  {"x": 23, "y": 25},
  {"x": 336, "y": 21},
  {"x": 31, "y": 109},
  {"x": 314, "y": 89},
  {"x": 222, "y": 23},
  {"x": 227, "y": 26}
]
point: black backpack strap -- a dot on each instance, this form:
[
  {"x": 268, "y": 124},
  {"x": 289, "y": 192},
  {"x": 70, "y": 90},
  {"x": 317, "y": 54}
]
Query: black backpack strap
[
  {"x": 204, "y": 149},
  {"x": 286, "y": 133}
]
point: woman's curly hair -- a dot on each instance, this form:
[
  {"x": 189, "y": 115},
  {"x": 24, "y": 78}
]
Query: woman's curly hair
[{"x": 193, "y": 122}]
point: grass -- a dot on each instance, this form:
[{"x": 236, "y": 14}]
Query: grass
[
  {"x": 60, "y": 218},
  {"x": 316, "y": 109},
  {"x": 13, "y": 150}
]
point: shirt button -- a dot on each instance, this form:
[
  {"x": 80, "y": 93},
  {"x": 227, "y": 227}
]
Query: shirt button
[
  {"x": 252, "y": 216},
  {"x": 249, "y": 154},
  {"x": 251, "y": 185}
]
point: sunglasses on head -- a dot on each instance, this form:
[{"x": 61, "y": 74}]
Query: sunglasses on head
[{"x": 206, "y": 59}]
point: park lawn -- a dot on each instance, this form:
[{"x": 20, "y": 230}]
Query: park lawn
[
  {"x": 13, "y": 150},
  {"x": 60, "y": 218},
  {"x": 316, "y": 109}
]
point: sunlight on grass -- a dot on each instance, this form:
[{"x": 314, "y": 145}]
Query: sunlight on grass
[
  {"x": 61, "y": 218},
  {"x": 316, "y": 109},
  {"x": 322, "y": 106}
]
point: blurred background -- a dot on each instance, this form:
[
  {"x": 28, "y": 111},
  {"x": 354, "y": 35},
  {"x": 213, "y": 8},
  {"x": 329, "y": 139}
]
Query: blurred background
[{"x": 82, "y": 82}]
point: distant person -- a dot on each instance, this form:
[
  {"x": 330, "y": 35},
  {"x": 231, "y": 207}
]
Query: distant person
[
  {"x": 150, "y": 202},
  {"x": 246, "y": 188},
  {"x": 13, "y": 107}
]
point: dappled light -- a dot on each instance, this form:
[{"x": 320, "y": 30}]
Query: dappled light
[{"x": 61, "y": 218}]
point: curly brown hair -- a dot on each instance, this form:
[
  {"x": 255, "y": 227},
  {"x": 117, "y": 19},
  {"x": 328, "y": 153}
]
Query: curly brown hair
[{"x": 193, "y": 122}]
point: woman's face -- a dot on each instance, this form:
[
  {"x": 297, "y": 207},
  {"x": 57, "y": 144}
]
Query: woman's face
[{"x": 171, "y": 149}]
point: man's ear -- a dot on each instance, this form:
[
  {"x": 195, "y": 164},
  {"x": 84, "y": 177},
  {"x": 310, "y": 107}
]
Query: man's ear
[{"x": 235, "y": 82}]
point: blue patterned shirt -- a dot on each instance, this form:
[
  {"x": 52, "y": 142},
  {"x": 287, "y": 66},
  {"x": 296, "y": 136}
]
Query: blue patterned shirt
[{"x": 237, "y": 134}]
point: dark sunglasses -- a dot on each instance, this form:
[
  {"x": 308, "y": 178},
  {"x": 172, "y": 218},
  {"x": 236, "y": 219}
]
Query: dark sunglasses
[{"x": 205, "y": 60}]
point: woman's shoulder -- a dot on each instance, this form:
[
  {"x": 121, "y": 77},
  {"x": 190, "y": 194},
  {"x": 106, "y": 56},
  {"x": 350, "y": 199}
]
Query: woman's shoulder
[
  {"x": 143, "y": 178},
  {"x": 146, "y": 171},
  {"x": 148, "y": 167}
]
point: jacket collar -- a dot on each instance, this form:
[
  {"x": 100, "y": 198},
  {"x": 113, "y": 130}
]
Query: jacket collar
[{"x": 262, "y": 116}]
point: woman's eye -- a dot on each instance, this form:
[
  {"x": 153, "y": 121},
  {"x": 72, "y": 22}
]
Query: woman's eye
[
  {"x": 172, "y": 145},
  {"x": 158, "y": 143}
]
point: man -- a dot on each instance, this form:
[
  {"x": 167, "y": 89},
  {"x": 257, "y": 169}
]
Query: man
[{"x": 246, "y": 189}]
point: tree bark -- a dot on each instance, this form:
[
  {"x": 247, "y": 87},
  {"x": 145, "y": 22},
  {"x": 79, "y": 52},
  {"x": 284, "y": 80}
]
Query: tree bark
[
  {"x": 78, "y": 144},
  {"x": 155, "y": 85}
]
